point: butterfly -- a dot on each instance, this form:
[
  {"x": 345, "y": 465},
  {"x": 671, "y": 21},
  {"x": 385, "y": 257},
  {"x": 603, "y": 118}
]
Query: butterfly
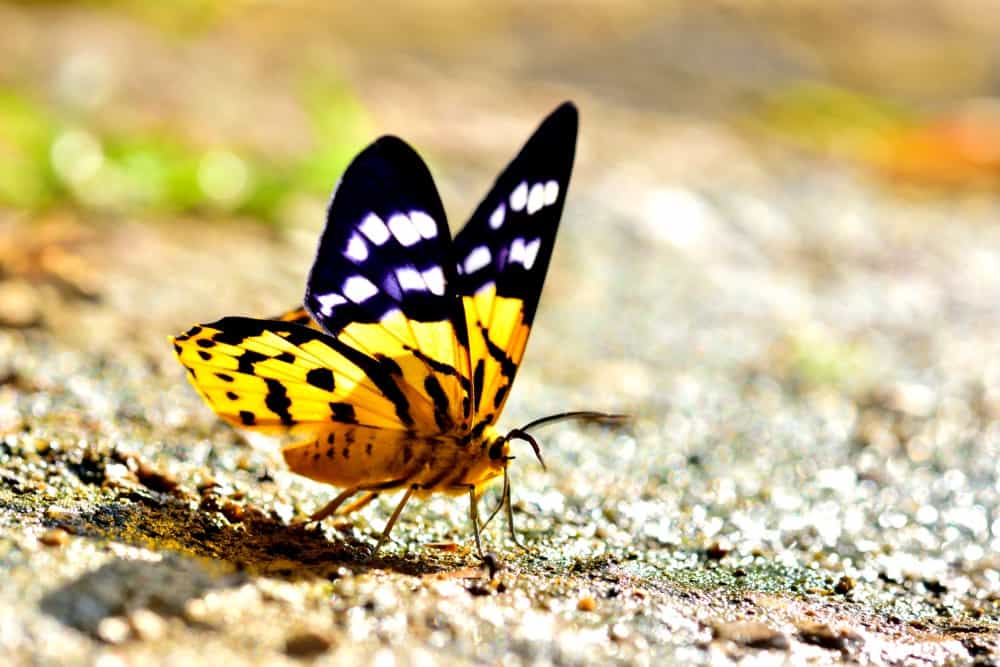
[{"x": 393, "y": 373}]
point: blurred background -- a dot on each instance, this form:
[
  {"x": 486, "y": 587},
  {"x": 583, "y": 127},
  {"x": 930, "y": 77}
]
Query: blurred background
[
  {"x": 206, "y": 114},
  {"x": 765, "y": 184},
  {"x": 244, "y": 109},
  {"x": 780, "y": 251},
  {"x": 215, "y": 113}
]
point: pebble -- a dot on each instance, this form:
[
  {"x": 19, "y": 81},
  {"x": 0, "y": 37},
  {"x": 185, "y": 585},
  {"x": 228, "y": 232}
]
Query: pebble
[
  {"x": 147, "y": 625},
  {"x": 717, "y": 551},
  {"x": 58, "y": 513},
  {"x": 155, "y": 480},
  {"x": 20, "y": 305},
  {"x": 844, "y": 585},
  {"x": 54, "y": 537},
  {"x": 751, "y": 634},
  {"x": 306, "y": 644},
  {"x": 113, "y": 630},
  {"x": 821, "y": 634}
]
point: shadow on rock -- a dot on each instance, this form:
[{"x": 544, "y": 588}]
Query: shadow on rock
[
  {"x": 123, "y": 587},
  {"x": 256, "y": 544}
]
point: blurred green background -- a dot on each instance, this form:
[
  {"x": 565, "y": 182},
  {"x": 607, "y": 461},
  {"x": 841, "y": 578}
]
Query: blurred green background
[{"x": 212, "y": 108}]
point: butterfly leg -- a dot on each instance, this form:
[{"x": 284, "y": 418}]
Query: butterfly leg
[
  {"x": 510, "y": 519},
  {"x": 392, "y": 519},
  {"x": 474, "y": 515},
  {"x": 505, "y": 503},
  {"x": 503, "y": 495},
  {"x": 372, "y": 493},
  {"x": 333, "y": 505},
  {"x": 363, "y": 501}
]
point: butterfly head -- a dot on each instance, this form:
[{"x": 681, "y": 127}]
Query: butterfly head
[{"x": 516, "y": 434}]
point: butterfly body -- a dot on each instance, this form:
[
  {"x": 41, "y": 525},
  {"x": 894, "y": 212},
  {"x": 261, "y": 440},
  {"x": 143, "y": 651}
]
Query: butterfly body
[
  {"x": 394, "y": 372},
  {"x": 436, "y": 464}
]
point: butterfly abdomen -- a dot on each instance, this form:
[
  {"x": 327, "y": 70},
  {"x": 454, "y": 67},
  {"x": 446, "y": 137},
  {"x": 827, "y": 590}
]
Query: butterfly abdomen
[{"x": 368, "y": 457}]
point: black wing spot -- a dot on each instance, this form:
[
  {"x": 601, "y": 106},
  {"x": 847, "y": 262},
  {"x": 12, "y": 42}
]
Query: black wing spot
[
  {"x": 287, "y": 357},
  {"x": 277, "y": 401},
  {"x": 439, "y": 366},
  {"x": 205, "y": 342},
  {"x": 499, "y": 396},
  {"x": 204, "y": 355},
  {"x": 477, "y": 430},
  {"x": 229, "y": 337},
  {"x": 329, "y": 439},
  {"x": 346, "y": 452},
  {"x": 343, "y": 412},
  {"x": 380, "y": 369},
  {"x": 248, "y": 418},
  {"x": 388, "y": 365},
  {"x": 477, "y": 381},
  {"x": 507, "y": 365},
  {"x": 441, "y": 405},
  {"x": 232, "y": 395},
  {"x": 248, "y": 359},
  {"x": 193, "y": 331},
  {"x": 177, "y": 348},
  {"x": 224, "y": 377},
  {"x": 321, "y": 378}
]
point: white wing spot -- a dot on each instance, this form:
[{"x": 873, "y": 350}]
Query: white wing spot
[
  {"x": 531, "y": 253},
  {"x": 551, "y": 193},
  {"x": 523, "y": 253},
  {"x": 519, "y": 197},
  {"x": 358, "y": 289},
  {"x": 409, "y": 279},
  {"x": 536, "y": 198},
  {"x": 356, "y": 249},
  {"x": 424, "y": 223},
  {"x": 496, "y": 218},
  {"x": 516, "y": 251},
  {"x": 327, "y": 302},
  {"x": 403, "y": 229},
  {"x": 477, "y": 259},
  {"x": 373, "y": 227},
  {"x": 434, "y": 279}
]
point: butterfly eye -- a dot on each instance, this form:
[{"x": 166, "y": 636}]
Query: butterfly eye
[{"x": 496, "y": 450}]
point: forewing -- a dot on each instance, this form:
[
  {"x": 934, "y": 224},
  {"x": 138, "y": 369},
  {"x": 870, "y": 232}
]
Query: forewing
[
  {"x": 280, "y": 377},
  {"x": 384, "y": 275},
  {"x": 503, "y": 254}
]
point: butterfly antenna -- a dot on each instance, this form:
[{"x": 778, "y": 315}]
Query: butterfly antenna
[
  {"x": 520, "y": 434},
  {"x": 582, "y": 415}
]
